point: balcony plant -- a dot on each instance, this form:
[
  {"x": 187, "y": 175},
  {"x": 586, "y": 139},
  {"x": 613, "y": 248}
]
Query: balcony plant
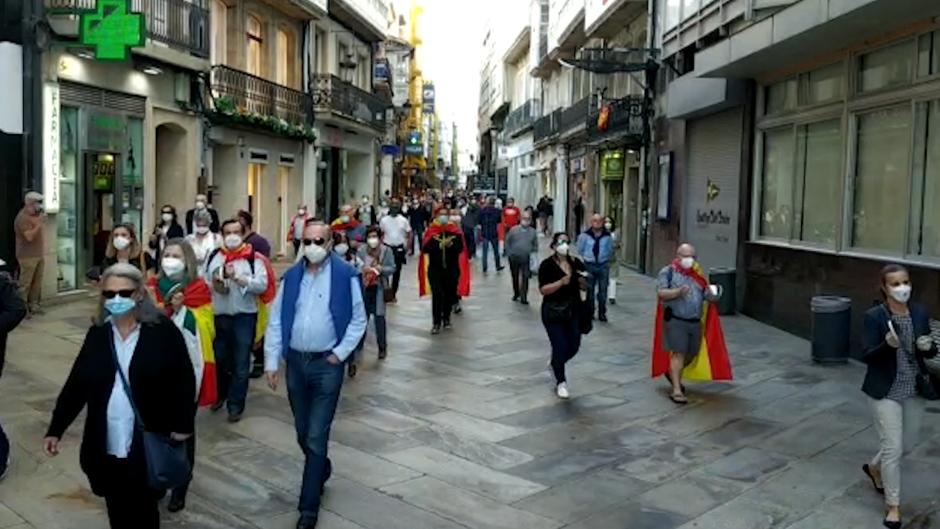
[{"x": 226, "y": 111}]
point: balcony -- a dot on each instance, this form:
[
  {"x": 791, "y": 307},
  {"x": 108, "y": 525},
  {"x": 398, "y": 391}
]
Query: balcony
[
  {"x": 331, "y": 94},
  {"x": 546, "y": 127},
  {"x": 627, "y": 121},
  {"x": 573, "y": 116},
  {"x": 241, "y": 99},
  {"x": 178, "y": 24},
  {"x": 522, "y": 118}
]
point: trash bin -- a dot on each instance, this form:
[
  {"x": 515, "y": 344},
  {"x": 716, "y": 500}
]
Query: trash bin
[
  {"x": 832, "y": 321},
  {"x": 726, "y": 279}
]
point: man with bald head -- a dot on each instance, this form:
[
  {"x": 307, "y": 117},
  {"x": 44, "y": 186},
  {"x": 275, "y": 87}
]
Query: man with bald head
[
  {"x": 596, "y": 247},
  {"x": 683, "y": 301},
  {"x": 317, "y": 320}
]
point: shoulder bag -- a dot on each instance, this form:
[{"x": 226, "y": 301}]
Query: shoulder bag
[{"x": 167, "y": 463}]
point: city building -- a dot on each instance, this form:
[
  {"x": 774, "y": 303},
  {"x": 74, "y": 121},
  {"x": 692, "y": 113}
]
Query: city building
[{"x": 796, "y": 146}]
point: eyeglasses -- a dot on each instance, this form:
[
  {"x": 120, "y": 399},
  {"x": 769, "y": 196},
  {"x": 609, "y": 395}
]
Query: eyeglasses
[
  {"x": 319, "y": 241},
  {"x": 124, "y": 293}
]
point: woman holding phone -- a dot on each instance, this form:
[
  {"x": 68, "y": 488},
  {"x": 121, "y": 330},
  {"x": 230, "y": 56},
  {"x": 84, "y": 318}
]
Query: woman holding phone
[{"x": 896, "y": 342}]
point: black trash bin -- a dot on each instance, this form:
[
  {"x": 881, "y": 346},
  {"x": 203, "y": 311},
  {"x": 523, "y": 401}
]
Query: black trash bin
[
  {"x": 726, "y": 279},
  {"x": 832, "y": 323}
]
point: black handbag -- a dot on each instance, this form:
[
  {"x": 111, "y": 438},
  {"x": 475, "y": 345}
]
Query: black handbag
[
  {"x": 585, "y": 317},
  {"x": 557, "y": 310},
  {"x": 167, "y": 462},
  {"x": 927, "y": 384}
]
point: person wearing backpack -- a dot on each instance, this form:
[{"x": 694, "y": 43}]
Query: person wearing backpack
[
  {"x": 238, "y": 282},
  {"x": 12, "y": 312}
]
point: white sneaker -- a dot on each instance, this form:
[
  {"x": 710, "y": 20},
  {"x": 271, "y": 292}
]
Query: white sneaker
[{"x": 562, "y": 390}]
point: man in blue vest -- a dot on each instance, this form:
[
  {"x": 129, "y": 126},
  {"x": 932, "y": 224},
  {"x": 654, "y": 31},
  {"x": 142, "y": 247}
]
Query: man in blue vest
[{"x": 316, "y": 322}]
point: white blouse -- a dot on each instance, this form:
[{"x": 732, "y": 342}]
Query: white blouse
[
  {"x": 203, "y": 247},
  {"x": 120, "y": 411}
]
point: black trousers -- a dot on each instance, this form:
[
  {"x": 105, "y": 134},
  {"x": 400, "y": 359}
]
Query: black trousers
[
  {"x": 565, "y": 337},
  {"x": 469, "y": 235},
  {"x": 443, "y": 296},
  {"x": 399, "y": 252},
  {"x": 131, "y": 504},
  {"x": 191, "y": 455},
  {"x": 519, "y": 269}
]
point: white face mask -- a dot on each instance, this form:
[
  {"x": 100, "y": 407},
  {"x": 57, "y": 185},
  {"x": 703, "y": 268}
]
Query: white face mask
[
  {"x": 315, "y": 254},
  {"x": 233, "y": 241},
  {"x": 121, "y": 243},
  {"x": 167, "y": 217},
  {"x": 341, "y": 248},
  {"x": 344, "y": 218},
  {"x": 608, "y": 226},
  {"x": 172, "y": 266},
  {"x": 200, "y": 204},
  {"x": 687, "y": 262},
  {"x": 901, "y": 293},
  {"x": 202, "y": 230},
  {"x": 301, "y": 212},
  {"x": 562, "y": 249},
  {"x": 373, "y": 242}
]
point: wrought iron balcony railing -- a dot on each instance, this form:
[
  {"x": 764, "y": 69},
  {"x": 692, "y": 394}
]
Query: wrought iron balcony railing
[
  {"x": 522, "y": 118},
  {"x": 238, "y": 93},
  {"x": 626, "y": 116},
  {"x": 181, "y": 24},
  {"x": 574, "y": 115},
  {"x": 547, "y": 126},
  {"x": 332, "y": 94}
]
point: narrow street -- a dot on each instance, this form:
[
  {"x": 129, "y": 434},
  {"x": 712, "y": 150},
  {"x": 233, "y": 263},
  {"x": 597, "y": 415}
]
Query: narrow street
[{"x": 463, "y": 431}]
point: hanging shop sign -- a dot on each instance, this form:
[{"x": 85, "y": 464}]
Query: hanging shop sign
[
  {"x": 414, "y": 145},
  {"x": 427, "y": 98},
  {"x": 51, "y": 142},
  {"x": 112, "y": 28},
  {"x": 612, "y": 165}
]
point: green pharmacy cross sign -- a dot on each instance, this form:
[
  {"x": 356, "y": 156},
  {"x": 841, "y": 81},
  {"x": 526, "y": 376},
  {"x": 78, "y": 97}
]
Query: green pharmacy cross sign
[{"x": 113, "y": 29}]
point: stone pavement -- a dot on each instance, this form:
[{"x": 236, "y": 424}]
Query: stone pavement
[{"x": 463, "y": 431}]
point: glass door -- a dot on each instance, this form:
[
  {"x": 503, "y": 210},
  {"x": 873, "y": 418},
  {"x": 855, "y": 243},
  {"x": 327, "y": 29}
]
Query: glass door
[{"x": 101, "y": 210}]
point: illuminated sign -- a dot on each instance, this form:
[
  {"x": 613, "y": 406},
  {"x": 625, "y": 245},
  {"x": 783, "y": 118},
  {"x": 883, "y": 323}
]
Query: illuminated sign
[
  {"x": 612, "y": 165},
  {"x": 112, "y": 29},
  {"x": 50, "y": 145},
  {"x": 427, "y": 98},
  {"x": 414, "y": 145}
]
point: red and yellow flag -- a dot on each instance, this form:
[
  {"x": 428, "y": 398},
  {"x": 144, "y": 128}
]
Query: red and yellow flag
[
  {"x": 463, "y": 283},
  {"x": 712, "y": 362}
]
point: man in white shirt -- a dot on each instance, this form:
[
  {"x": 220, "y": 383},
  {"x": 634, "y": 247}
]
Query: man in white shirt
[
  {"x": 396, "y": 229},
  {"x": 317, "y": 321},
  {"x": 238, "y": 277}
]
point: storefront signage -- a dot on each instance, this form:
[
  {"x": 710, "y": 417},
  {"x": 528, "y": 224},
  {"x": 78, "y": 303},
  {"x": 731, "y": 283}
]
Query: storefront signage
[
  {"x": 105, "y": 132},
  {"x": 380, "y": 72},
  {"x": 577, "y": 165},
  {"x": 414, "y": 145},
  {"x": 112, "y": 29},
  {"x": 51, "y": 143},
  {"x": 612, "y": 165},
  {"x": 427, "y": 98},
  {"x": 712, "y": 217}
]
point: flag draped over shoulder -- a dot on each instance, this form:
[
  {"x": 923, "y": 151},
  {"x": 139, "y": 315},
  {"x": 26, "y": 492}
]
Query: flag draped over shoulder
[
  {"x": 712, "y": 361},
  {"x": 197, "y": 300},
  {"x": 463, "y": 284},
  {"x": 265, "y": 299}
]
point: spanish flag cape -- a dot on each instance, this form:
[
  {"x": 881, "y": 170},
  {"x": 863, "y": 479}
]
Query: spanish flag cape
[
  {"x": 463, "y": 284},
  {"x": 198, "y": 299},
  {"x": 245, "y": 251},
  {"x": 712, "y": 362}
]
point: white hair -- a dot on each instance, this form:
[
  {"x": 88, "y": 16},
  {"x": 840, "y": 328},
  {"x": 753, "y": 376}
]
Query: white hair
[{"x": 33, "y": 196}]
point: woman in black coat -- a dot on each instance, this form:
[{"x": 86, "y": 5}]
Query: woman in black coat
[
  {"x": 896, "y": 341},
  {"x": 153, "y": 355}
]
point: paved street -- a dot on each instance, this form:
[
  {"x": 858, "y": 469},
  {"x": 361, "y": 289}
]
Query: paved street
[{"x": 463, "y": 431}]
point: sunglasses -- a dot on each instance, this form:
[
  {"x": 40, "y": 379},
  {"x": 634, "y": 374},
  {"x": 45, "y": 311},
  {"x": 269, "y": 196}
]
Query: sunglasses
[
  {"x": 124, "y": 293},
  {"x": 319, "y": 241}
]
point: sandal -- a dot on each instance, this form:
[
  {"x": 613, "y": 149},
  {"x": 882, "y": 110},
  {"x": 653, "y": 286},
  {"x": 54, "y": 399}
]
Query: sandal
[
  {"x": 678, "y": 398},
  {"x": 867, "y": 470},
  {"x": 669, "y": 379}
]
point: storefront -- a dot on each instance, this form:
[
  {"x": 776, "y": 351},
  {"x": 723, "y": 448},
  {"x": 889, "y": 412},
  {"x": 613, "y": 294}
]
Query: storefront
[{"x": 620, "y": 198}]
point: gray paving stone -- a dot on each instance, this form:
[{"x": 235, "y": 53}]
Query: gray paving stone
[
  {"x": 669, "y": 460},
  {"x": 472, "y": 449},
  {"x": 748, "y": 466},
  {"x": 632, "y": 515},
  {"x": 689, "y": 495},
  {"x": 577, "y": 499},
  {"x": 814, "y": 435},
  {"x": 386, "y": 420},
  {"x": 373, "y": 510},
  {"x": 741, "y": 513},
  {"x": 239, "y": 493},
  {"x": 472, "y": 426},
  {"x": 465, "y": 507},
  {"x": 740, "y": 432}
]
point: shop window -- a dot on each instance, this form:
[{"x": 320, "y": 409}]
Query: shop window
[
  {"x": 886, "y": 67},
  {"x": 825, "y": 84},
  {"x": 255, "y": 57},
  {"x": 671, "y": 13},
  {"x": 925, "y": 209},
  {"x": 928, "y": 54},
  {"x": 882, "y": 179},
  {"x": 782, "y": 96},
  {"x": 819, "y": 147},
  {"x": 67, "y": 228},
  {"x": 777, "y": 186}
]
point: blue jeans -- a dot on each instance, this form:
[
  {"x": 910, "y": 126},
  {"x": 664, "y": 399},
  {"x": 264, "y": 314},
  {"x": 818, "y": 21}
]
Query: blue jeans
[
  {"x": 598, "y": 276},
  {"x": 313, "y": 387},
  {"x": 486, "y": 247},
  {"x": 233, "y": 338}
]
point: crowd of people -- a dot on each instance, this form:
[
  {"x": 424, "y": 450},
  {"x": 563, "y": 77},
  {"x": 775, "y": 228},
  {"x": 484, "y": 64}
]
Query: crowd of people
[{"x": 188, "y": 316}]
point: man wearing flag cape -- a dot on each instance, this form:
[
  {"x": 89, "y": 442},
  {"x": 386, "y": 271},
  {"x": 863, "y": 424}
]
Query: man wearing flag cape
[
  {"x": 687, "y": 340},
  {"x": 444, "y": 269}
]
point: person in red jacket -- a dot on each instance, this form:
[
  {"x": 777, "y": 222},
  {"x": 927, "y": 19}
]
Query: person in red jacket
[{"x": 511, "y": 214}]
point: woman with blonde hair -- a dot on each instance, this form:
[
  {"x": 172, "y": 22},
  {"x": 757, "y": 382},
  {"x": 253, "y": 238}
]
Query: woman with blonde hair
[{"x": 134, "y": 376}]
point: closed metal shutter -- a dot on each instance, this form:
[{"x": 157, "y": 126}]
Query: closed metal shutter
[
  {"x": 79, "y": 94},
  {"x": 710, "y": 219}
]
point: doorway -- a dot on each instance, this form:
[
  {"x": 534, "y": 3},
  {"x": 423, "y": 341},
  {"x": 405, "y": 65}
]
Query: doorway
[
  {"x": 283, "y": 181},
  {"x": 630, "y": 234},
  {"x": 102, "y": 179},
  {"x": 255, "y": 181}
]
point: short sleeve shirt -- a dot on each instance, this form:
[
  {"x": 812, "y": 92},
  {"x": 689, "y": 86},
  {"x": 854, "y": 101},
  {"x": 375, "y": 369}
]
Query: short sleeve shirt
[
  {"x": 688, "y": 307},
  {"x": 395, "y": 230}
]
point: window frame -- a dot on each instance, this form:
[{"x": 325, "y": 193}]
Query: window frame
[{"x": 252, "y": 38}]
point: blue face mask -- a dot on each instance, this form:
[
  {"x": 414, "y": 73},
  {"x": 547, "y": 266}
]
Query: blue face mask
[{"x": 119, "y": 306}]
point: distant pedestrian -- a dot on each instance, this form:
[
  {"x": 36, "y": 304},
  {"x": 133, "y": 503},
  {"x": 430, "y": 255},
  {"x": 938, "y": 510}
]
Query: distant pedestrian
[
  {"x": 613, "y": 263},
  {"x": 124, "y": 247},
  {"x": 168, "y": 227},
  {"x": 202, "y": 206},
  {"x": 896, "y": 341},
  {"x": 470, "y": 213},
  {"x": 596, "y": 247},
  {"x": 521, "y": 243},
  {"x": 317, "y": 320},
  {"x": 443, "y": 254},
  {"x": 561, "y": 280},
  {"x": 366, "y": 213},
  {"x": 133, "y": 364},
  {"x": 255, "y": 239},
  {"x": 296, "y": 230},
  {"x": 490, "y": 222},
  {"x": 30, "y": 248},
  {"x": 378, "y": 267},
  {"x": 203, "y": 240},
  {"x": 347, "y": 224},
  {"x": 419, "y": 215},
  {"x": 239, "y": 278},
  {"x": 12, "y": 311},
  {"x": 396, "y": 230}
]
